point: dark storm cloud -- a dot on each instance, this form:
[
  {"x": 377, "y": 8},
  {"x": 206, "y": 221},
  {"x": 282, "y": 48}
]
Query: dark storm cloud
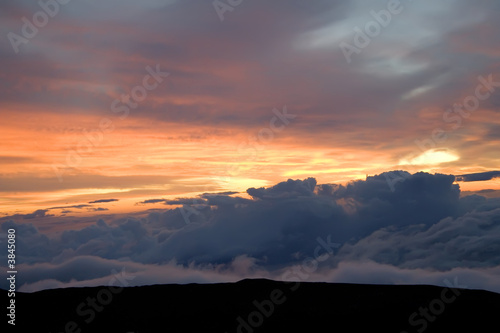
[
  {"x": 480, "y": 176},
  {"x": 421, "y": 198}
]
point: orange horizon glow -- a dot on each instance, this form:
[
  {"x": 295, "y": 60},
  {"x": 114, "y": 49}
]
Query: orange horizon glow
[{"x": 211, "y": 125}]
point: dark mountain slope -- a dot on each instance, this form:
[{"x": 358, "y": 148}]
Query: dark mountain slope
[{"x": 257, "y": 306}]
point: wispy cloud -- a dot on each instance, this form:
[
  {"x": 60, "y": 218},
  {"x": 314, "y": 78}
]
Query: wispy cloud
[{"x": 103, "y": 200}]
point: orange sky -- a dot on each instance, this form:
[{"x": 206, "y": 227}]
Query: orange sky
[{"x": 208, "y": 126}]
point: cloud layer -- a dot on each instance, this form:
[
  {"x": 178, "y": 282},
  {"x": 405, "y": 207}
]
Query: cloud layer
[{"x": 421, "y": 231}]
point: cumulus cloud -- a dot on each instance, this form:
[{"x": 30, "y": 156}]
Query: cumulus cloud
[
  {"x": 290, "y": 188},
  {"x": 422, "y": 226},
  {"x": 468, "y": 241}
]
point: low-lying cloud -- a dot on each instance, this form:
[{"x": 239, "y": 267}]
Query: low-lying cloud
[{"x": 418, "y": 233}]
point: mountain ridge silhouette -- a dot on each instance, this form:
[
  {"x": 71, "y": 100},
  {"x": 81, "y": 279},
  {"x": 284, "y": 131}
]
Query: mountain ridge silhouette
[{"x": 256, "y": 305}]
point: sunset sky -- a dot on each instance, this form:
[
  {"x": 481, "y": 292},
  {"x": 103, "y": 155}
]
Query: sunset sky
[{"x": 122, "y": 109}]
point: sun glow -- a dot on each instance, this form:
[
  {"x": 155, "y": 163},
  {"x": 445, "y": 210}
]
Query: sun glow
[{"x": 431, "y": 157}]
